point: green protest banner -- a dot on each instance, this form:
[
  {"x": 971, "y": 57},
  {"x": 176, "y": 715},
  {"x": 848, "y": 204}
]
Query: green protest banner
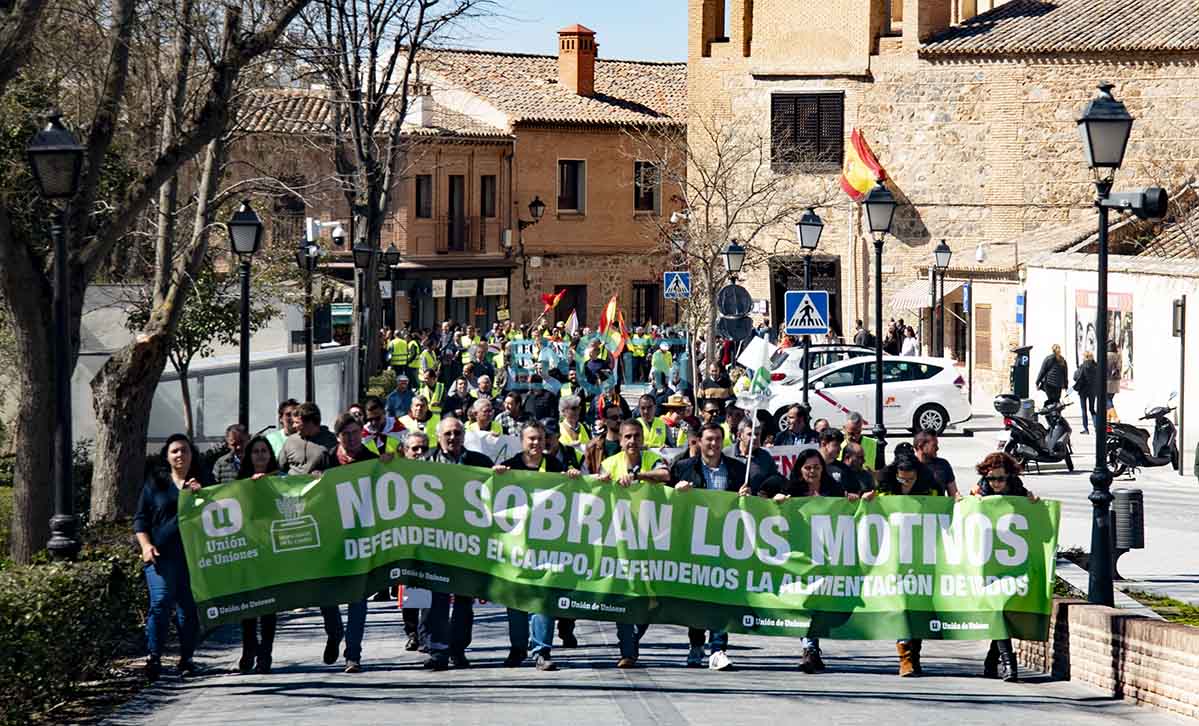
[{"x": 894, "y": 567}]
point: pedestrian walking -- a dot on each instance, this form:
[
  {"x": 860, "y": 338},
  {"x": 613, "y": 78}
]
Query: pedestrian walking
[
  {"x": 1115, "y": 372},
  {"x": 1086, "y": 377},
  {"x": 910, "y": 347},
  {"x": 256, "y": 645},
  {"x": 1052, "y": 378},
  {"x": 999, "y": 475},
  {"x": 156, "y": 526}
]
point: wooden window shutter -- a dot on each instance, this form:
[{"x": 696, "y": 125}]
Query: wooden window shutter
[
  {"x": 982, "y": 336},
  {"x": 832, "y": 132},
  {"x": 782, "y": 128}
]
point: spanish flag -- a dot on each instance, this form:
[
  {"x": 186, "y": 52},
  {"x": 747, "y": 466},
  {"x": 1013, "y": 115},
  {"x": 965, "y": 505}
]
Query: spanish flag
[
  {"x": 861, "y": 170},
  {"x": 612, "y": 330},
  {"x": 551, "y": 301}
]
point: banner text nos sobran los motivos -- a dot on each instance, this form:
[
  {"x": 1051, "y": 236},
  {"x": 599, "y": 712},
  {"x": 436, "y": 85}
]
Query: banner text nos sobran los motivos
[{"x": 894, "y": 567}]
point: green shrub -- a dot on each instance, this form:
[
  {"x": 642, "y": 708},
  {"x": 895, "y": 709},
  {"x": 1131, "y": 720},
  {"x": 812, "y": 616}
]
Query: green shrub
[
  {"x": 382, "y": 384},
  {"x": 63, "y": 623},
  {"x": 5, "y": 521}
]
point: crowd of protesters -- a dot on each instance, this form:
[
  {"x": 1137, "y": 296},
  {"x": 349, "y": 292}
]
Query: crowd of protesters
[{"x": 561, "y": 394}]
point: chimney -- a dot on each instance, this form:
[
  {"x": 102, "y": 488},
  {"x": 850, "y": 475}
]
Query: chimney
[
  {"x": 576, "y": 59},
  {"x": 420, "y": 103}
]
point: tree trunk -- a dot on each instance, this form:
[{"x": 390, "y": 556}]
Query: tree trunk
[
  {"x": 185, "y": 394},
  {"x": 122, "y": 393},
  {"x": 33, "y": 433}
]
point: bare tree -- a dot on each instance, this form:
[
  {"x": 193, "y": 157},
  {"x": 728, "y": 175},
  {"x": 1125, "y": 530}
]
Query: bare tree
[
  {"x": 368, "y": 52},
  {"x": 727, "y": 191},
  {"x": 98, "y": 218}
]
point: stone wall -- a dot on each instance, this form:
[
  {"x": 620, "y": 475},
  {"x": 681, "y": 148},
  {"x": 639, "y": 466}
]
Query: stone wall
[
  {"x": 1147, "y": 662},
  {"x": 604, "y": 275}
]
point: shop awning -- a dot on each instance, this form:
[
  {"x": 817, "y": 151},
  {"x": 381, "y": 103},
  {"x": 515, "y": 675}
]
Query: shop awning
[{"x": 916, "y": 295}]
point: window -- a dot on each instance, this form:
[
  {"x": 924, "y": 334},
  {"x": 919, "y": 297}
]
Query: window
[
  {"x": 424, "y": 196},
  {"x": 647, "y": 187},
  {"x": 982, "y": 336},
  {"x": 572, "y": 185},
  {"x": 807, "y": 131},
  {"x": 487, "y": 195},
  {"x": 854, "y": 375},
  {"x": 903, "y": 371}
]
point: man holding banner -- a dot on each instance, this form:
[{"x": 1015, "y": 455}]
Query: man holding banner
[
  {"x": 450, "y": 634},
  {"x": 710, "y": 470}
]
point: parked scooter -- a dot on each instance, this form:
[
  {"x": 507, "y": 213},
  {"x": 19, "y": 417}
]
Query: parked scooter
[
  {"x": 1129, "y": 448},
  {"x": 1028, "y": 441}
]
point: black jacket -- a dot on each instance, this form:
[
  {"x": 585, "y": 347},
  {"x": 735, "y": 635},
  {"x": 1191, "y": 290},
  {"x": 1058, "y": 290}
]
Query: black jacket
[
  {"x": 1053, "y": 373},
  {"x": 1085, "y": 377},
  {"x": 795, "y": 486},
  {"x": 158, "y": 512},
  {"x": 469, "y": 458},
  {"x": 691, "y": 470}
]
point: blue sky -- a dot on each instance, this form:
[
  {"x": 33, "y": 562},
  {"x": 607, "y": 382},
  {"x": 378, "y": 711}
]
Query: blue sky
[{"x": 624, "y": 28}]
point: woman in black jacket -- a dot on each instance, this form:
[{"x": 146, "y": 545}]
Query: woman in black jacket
[
  {"x": 156, "y": 525},
  {"x": 258, "y": 462},
  {"x": 1052, "y": 378}
]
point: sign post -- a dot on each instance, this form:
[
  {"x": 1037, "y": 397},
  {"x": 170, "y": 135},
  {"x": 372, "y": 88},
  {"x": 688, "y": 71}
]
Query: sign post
[{"x": 1180, "y": 332}]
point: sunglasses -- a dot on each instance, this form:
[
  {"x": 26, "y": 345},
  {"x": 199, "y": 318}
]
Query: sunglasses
[
  {"x": 995, "y": 477},
  {"x": 418, "y": 449}
]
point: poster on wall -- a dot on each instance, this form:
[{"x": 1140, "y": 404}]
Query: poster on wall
[
  {"x": 495, "y": 286},
  {"x": 438, "y": 288},
  {"x": 1119, "y": 329},
  {"x": 464, "y": 288}
]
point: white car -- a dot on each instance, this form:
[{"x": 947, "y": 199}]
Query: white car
[
  {"x": 918, "y": 393},
  {"x": 787, "y": 364}
]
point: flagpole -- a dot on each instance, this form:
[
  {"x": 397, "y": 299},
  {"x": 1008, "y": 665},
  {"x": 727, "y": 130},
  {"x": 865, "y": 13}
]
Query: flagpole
[{"x": 753, "y": 424}]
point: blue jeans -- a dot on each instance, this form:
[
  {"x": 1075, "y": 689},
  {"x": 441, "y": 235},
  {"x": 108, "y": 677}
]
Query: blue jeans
[
  {"x": 355, "y": 625},
  {"x": 718, "y": 641},
  {"x": 170, "y": 590},
  {"x": 531, "y": 633},
  {"x": 448, "y": 633},
  {"x": 810, "y": 643},
  {"x": 629, "y": 637}
]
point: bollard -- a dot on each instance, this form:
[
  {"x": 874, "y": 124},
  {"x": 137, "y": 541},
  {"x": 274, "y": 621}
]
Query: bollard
[{"x": 1128, "y": 524}]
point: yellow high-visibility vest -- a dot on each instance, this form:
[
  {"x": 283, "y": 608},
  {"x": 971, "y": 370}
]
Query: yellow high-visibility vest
[
  {"x": 494, "y": 428},
  {"x": 399, "y": 352},
  {"x": 655, "y": 432},
  {"x": 435, "y": 396},
  {"x": 566, "y": 438},
  {"x": 428, "y": 427},
  {"x": 617, "y": 465}
]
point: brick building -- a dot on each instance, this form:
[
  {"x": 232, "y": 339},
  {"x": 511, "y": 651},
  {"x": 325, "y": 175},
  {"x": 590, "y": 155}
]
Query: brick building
[
  {"x": 970, "y": 109},
  {"x": 488, "y": 133}
]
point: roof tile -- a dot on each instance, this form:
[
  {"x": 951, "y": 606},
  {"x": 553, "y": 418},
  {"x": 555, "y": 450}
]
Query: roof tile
[{"x": 1073, "y": 26}]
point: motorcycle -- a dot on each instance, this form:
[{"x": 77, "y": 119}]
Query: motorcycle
[
  {"x": 1129, "y": 448},
  {"x": 1028, "y": 441}
]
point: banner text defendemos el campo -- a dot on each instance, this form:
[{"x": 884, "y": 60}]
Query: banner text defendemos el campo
[{"x": 583, "y": 517}]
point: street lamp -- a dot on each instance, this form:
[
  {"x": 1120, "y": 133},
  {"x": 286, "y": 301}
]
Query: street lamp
[
  {"x": 941, "y": 256},
  {"x": 734, "y": 258},
  {"x": 307, "y": 257},
  {"x": 1104, "y": 126},
  {"x": 808, "y": 231},
  {"x": 56, "y": 161},
  {"x": 880, "y": 212},
  {"x": 364, "y": 257},
  {"x": 536, "y": 209},
  {"x": 245, "y": 236},
  {"x": 391, "y": 258}
]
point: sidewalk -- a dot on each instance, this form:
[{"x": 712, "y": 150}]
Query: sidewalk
[{"x": 765, "y": 689}]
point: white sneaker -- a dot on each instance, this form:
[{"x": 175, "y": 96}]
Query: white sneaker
[
  {"x": 695, "y": 657},
  {"x": 720, "y": 661}
]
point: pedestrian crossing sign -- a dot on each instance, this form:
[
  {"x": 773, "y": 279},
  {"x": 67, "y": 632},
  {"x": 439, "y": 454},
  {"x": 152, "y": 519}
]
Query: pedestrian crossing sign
[
  {"x": 676, "y": 285},
  {"x": 806, "y": 312}
]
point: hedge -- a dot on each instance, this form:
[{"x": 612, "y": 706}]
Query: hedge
[{"x": 63, "y": 623}]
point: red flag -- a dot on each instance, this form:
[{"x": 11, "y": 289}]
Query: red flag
[
  {"x": 608, "y": 317},
  {"x": 861, "y": 170},
  {"x": 551, "y": 301}
]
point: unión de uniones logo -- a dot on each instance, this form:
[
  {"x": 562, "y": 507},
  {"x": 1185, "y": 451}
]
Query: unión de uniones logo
[
  {"x": 564, "y": 603},
  {"x": 222, "y": 518},
  {"x": 747, "y": 620},
  {"x": 934, "y": 626}
]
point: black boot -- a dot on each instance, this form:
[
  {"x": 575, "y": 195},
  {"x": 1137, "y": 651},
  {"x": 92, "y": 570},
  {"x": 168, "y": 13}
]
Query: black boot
[
  {"x": 916, "y": 644},
  {"x": 991, "y": 663}
]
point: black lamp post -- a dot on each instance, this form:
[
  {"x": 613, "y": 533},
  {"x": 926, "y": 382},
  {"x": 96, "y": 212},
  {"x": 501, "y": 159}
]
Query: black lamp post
[
  {"x": 364, "y": 257},
  {"x": 1104, "y": 126},
  {"x": 391, "y": 258},
  {"x": 245, "y": 236},
  {"x": 56, "y": 161},
  {"x": 941, "y": 257},
  {"x": 880, "y": 211},
  {"x": 808, "y": 231},
  {"x": 307, "y": 257},
  {"x": 536, "y": 210}
]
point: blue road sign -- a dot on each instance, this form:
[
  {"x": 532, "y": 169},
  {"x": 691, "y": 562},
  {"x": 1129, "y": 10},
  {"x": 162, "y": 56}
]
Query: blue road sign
[
  {"x": 806, "y": 312},
  {"x": 676, "y": 285},
  {"x": 1020, "y": 309}
]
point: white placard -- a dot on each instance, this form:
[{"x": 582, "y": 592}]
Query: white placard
[
  {"x": 439, "y": 288},
  {"x": 385, "y": 288},
  {"x": 465, "y": 288},
  {"x": 495, "y": 286}
]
